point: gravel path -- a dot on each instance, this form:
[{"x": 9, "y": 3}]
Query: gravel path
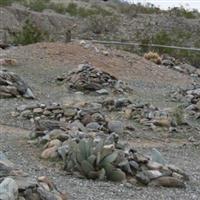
[
  {"x": 27, "y": 158},
  {"x": 38, "y": 64}
]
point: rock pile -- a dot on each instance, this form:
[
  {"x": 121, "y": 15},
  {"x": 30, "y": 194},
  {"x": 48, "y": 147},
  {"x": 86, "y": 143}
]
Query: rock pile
[
  {"x": 89, "y": 78},
  {"x": 94, "y": 115},
  {"x": 183, "y": 68},
  {"x": 88, "y": 141},
  {"x": 193, "y": 97},
  {"x": 11, "y": 85},
  {"x": 87, "y": 113},
  {"x": 147, "y": 114},
  {"x": 172, "y": 63},
  {"x": 107, "y": 158},
  {"x": 15, "y": 184}
]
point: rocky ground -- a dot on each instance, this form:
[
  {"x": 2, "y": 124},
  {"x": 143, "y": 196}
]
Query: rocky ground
[{"x": 40, "y": 64}]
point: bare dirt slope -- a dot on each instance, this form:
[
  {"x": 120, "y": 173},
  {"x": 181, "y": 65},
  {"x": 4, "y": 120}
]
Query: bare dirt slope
[{"x": 41, "y": 63}]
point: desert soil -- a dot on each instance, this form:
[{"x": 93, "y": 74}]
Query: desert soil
[{"x": 39, "y": 64}]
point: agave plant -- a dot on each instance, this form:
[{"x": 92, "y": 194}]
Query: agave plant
[{"x": 94, "y": 161}]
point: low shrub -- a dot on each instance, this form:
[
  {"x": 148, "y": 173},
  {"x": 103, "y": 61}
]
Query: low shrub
[
  {"x": 29, "y": 34},
  {"x": 99, "y": 24},
  {"x": 36, "y": 5},
  {"x": 6, "y": 2},
  {"x": 153, "y": 56},
  {"x": 182, "y": 12}
]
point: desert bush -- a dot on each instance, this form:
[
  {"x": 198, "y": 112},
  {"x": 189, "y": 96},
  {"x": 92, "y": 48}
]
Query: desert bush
[
  {"x": 99, "y": 24},
  {"x": 6, "y": 2},
  {"x": 72, "y": 9},
  {"x": 36, "y": 5},
  {"x": 58, "y": 7},
  {"x": 153, "y": 56},
  {"x": 182, "y": 12},
  {"x": 29, "y": 34},
  {"x": 132, "y": 10}
]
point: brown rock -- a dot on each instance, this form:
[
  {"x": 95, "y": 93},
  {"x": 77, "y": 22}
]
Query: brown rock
[
  {"x": 162, "y": 122},
  {"x": 54, "y": 143},
  {"x": 47, "y": 181},
  {"x": 38, "y": 110},
  {"x": 167, "y": 181},
  {"x": 50, "y": 153}
]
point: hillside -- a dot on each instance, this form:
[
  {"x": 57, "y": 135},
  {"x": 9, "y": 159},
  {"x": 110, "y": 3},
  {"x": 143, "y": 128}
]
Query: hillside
[{"x": 110, "y": 21}]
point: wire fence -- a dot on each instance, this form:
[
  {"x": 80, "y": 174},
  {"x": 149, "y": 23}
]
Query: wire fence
[{"x": 144, "y": 45}]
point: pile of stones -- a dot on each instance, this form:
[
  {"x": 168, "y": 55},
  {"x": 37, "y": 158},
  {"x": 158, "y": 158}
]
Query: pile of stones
[
  {"x": 87, "y": 113},
  {"x": 90, "y": 79},
  {"x": 94, "y": 115},
  {"x": 105, "y": 157},
  {"x": 174, "y": 64},
  {"x": 193, "y": 97},
  {"x": 11, "y": 85},
  {"x": 147, "y": 114},
  {"x": 15, "y": 184},
  {"x": 84, "y": 127}
]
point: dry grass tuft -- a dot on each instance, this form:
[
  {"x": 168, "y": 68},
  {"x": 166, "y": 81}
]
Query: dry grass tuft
[{"x": 153, "y": 56}]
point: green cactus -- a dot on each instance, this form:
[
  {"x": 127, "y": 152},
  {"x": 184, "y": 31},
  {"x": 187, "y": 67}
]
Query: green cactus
[{"x": 94, "y": 161}]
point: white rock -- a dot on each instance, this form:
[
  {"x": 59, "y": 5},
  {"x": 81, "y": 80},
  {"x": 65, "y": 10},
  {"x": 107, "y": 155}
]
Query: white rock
[{"x": 8, "y": 189}]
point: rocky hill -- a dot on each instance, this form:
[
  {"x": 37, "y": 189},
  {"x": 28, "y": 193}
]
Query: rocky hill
[{"x": 109, "y": 20}]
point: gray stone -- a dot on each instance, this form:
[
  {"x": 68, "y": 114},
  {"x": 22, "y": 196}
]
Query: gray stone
[
  {"x": 77, "y": 125},
  {"x": 154, "y": 165},
  {"x": 116, "y": 126},
  {"x": 102, "y": 92},
  {"x": 63, "y": 151},
  {"x": 58, "y": 134},
  {"x": 8, "y": 189},
  {"x": 93, "y": 126},
  {"x": 69, "y": 111},
  {"x": 178, "y": 171},
  {"x": 142, "y": 178},
  {"x": 134, "y": 165},
  {"x": 47, "y": 113},
  {"x": 37, "y": 110},
  {"x": 157, "y": 157},
  {"x": 26, "y": 114},
  {"x": 21, "y": 108},
  {"x": 122, "y": 102},
  {"x": 2, "y": 156},
  {"x": 167, "y": 63},
  {"x": 5, "y": 168},
  {"x": 29, "y": 94},
  {"x": 24, "y": 183}
]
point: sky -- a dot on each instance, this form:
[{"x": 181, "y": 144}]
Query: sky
[{"x": 164, "y": 4}]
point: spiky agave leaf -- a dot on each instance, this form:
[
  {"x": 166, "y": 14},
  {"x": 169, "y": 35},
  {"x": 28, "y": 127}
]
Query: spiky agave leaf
[
  {"x": 69, "y": 166},
  {"x": 114, "y": 174},
  {"x": 117, "y": 175},
  {"x": 99, "y": 146},
  {"x": 102, "y": 174},
  {"x": 91, "y": 159},
  {"x": 109, "y": 159},
  {"x": 84, "y": 149},
  {"x": 105, "y": 152},
  {"x": 98, "y": 158},
  {"x": 108, "y": 168},
  {"x": 86, "y": 168}
]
